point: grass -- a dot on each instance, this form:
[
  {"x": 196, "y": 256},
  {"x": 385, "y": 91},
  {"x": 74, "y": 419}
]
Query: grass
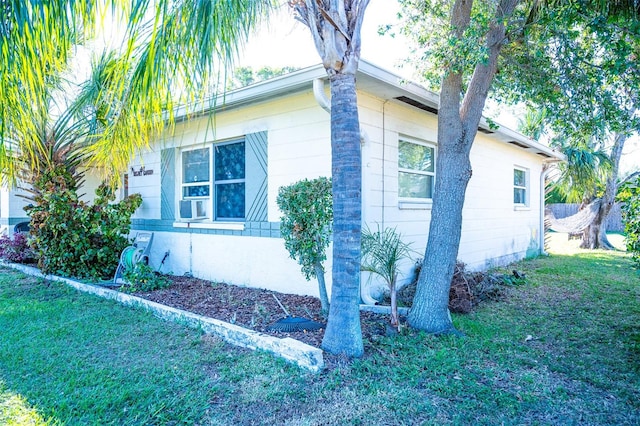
[{"x": 562, "y": 349}]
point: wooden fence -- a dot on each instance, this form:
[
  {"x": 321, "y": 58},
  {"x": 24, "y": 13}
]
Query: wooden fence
[{"x": 614, "y": 221}]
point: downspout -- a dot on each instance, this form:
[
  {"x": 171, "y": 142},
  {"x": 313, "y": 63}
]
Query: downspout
[
  {"x": 321, "y": 97},
  {"x": 325, "y": 104},
  {"x": 543, "y": 177}
]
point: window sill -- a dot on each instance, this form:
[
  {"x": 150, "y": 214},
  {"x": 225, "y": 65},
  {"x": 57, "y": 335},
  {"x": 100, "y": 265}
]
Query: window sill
[
  {"x": 521, "y": 208},
  {"x": 415, "y": 205},
  {"x": 226, "y": 226}
]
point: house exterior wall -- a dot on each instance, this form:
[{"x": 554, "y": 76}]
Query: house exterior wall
[
  {"x": 494, "y": 232},
  {"x": 11, "y": 209},
  {"x": 251, "y": 254}
]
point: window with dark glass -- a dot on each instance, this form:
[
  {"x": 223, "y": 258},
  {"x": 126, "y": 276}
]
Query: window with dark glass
[
  {"x": 229, "y": 181},
  {"x": 213, "y": 180}
]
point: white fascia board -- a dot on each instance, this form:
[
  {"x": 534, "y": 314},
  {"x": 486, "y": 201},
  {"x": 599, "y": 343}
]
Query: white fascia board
[
  {"x": 432, "y": 99},
  {"x": 510, "y": 136},
  {"x": 288, "y": 83},
  {"x": 370, "y": 78}
]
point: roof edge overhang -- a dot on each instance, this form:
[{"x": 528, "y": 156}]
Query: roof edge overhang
[
  {"x": 296, "y": 81},
  {"x": 382, "y": 83}
]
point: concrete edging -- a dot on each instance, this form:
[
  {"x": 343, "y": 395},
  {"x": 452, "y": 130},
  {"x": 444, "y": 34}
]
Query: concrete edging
[
  {"x": 305, "y": 356},
  {"x": 383, "y": 309}
]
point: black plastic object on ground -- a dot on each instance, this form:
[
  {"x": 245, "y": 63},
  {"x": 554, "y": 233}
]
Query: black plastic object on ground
[{"x": 289, "y": 323}]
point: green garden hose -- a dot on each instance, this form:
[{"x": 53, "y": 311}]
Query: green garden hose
[{"x": 130, "y": 256}]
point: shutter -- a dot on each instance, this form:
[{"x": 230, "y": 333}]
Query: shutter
[
  {"x": 168, "y": 184},
  {"x": 256, "y": 177}
]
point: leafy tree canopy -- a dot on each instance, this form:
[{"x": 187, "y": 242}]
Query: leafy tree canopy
[
  {"x": 244, "y": 76},
  {"x": 558, "y": 54},
  {"x": 579, "y": 61}
]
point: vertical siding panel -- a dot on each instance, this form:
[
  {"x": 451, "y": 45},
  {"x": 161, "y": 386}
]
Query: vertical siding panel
[
  {"x": 256, "y": 176},
  {"x": 167, "y": 183}
]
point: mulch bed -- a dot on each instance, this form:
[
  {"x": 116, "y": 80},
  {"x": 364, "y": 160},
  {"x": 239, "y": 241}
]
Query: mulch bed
[{"x": 252, "y": 308}]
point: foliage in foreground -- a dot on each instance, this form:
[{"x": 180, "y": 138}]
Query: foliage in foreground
[
  {"x": 629, "y": 194},
  {"x": 305, "y": 226},
  {"x": 562, "y": 349},
  {"x": 71, "y": 237},
  {"x": 16, "y": 249},
  {"x": 142, "y": 277}
]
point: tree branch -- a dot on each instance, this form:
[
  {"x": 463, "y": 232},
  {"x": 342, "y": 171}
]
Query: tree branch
[
  {"x": 484, "y": 74},
  {"x": 341, "y": 18}
]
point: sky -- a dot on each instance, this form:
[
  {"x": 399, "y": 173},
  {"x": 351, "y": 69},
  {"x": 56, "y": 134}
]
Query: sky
[{"x": 283, "y": 41}]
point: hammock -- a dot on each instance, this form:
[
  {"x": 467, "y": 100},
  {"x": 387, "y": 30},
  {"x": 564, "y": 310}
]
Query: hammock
[{"x": 575, "y": 223}]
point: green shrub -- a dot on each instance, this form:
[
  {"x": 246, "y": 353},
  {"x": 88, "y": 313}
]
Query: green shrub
[
  {"x": 629, "y": 195},
  {"x": 71, "y": 237},
  {"x": 307, "y": 208},
  {"x": 143, "y": 278}
]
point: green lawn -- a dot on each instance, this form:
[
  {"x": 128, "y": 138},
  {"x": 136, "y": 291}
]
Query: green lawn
[{"x": 562, "y": 349}]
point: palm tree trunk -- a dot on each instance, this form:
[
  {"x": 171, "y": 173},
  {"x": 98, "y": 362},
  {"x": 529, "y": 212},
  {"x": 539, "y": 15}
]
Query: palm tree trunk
[
  {"x": 395, "y": 321},
  {"x": 343, "y": 334}
]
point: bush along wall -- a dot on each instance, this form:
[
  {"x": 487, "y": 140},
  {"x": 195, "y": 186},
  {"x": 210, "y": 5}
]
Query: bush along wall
[{"x": 73, "y": 238}]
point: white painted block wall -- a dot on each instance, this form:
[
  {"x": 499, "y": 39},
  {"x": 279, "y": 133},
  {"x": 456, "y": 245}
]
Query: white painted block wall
[{"x": 494, "y": 232}]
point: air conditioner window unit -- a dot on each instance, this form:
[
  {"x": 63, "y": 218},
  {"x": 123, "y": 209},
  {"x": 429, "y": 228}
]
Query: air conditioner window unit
[{"x": 193, "y": 209}]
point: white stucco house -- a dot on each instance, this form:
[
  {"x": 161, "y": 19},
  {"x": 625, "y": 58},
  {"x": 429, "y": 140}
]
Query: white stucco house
[{"x": 209, "y": 184}]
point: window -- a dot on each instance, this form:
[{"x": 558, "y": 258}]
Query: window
[
  {"x": 416, "y": 170},
  {"x": 229, "y": 181},
  {"x": 520, "y": 186},
  {"x": 221, "y": 190}
]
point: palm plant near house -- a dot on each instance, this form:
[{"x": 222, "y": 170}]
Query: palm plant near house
[
  {"x": 69, "y": 236},
  {"x": 382, "y": 252}
]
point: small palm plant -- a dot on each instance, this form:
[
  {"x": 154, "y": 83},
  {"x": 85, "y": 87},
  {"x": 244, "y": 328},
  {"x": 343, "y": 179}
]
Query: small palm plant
[{"x": 382, "y": 252}]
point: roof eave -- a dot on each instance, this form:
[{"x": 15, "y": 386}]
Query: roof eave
[{"x": 383, "y": 83}]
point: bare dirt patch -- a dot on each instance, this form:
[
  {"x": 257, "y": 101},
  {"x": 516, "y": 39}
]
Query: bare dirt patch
[{"x": 252, "y": 308}]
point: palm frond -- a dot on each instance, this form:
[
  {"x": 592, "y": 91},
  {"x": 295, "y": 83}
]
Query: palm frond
[
  {"x": 584, "y": 174},
  {"x": 173, "y": 48},
  {"x": 382, "y": 252}
]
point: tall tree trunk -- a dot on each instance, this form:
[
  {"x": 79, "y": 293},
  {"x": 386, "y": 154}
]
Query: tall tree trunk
[
  {"x": 457, "y": 127},
  {"x": 430, "y": 309},
  {"x": 595, "y": 236},
  {"x": 343, "y": 333}
]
